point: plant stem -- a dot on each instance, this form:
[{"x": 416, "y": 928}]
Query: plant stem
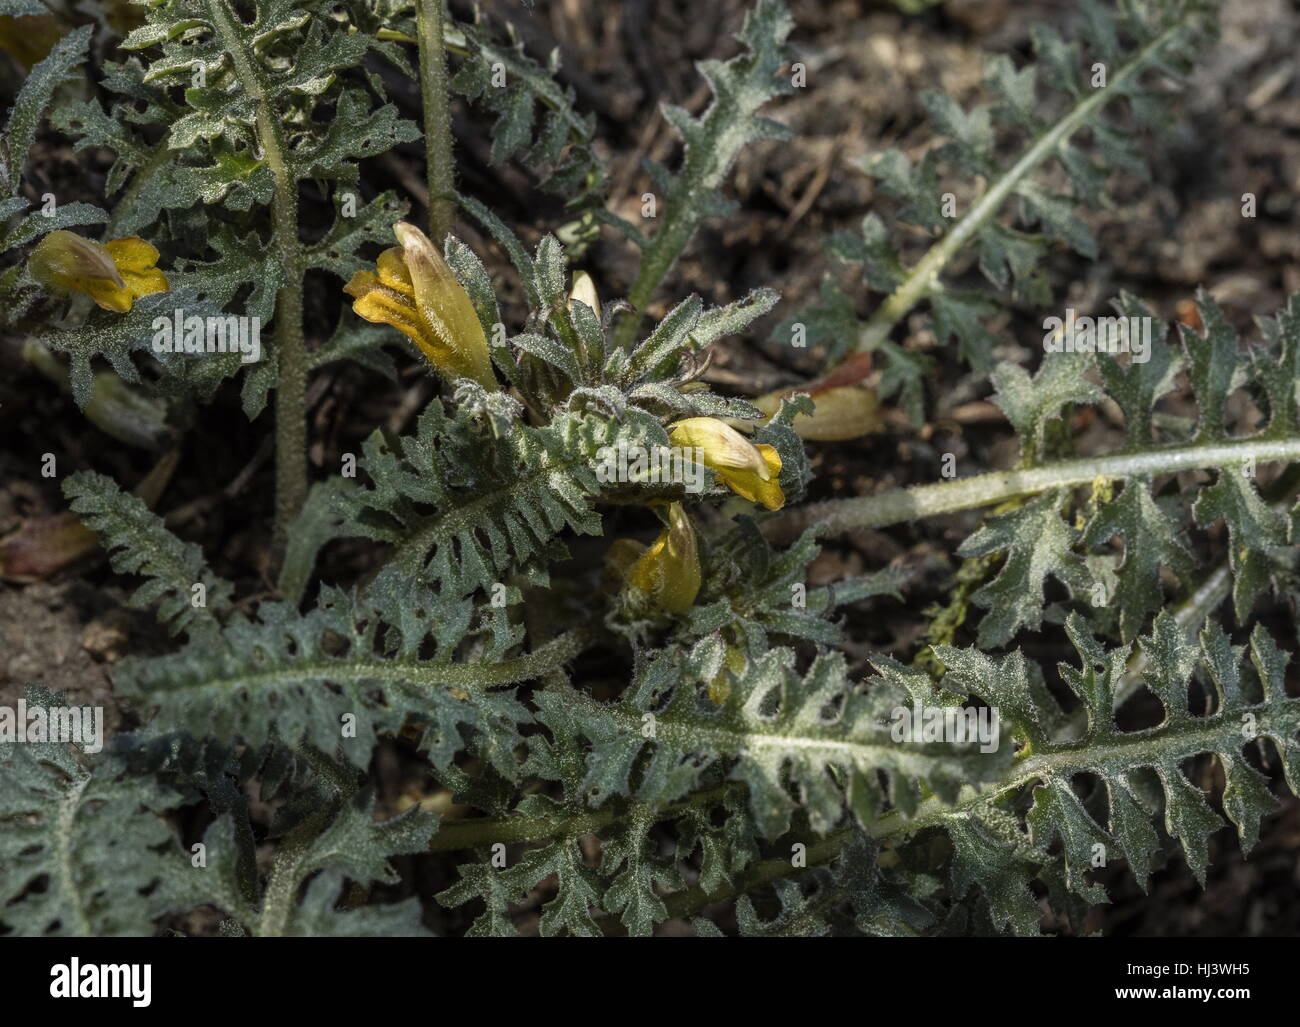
[
  {"x": 290, "y": 395},
  {"x": 657, "y": 259},
  {"x": 900, "y": 505},
  {"x": 291, "y": 347},
  {"x": 281, "y": 895},
  {"x": 466, "y": 834},
  {"x": 68, "y": 878},
  {"x": 412, "y": 673},
  {"x": 290, "y": 867},
  {"x": 437, "y": 119},
  {"x": 924, "y": 277}
]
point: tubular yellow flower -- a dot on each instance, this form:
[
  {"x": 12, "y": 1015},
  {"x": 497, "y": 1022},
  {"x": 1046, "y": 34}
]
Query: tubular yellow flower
[
  {"x": 114, "y": 274},
  {"x": 749, "y": 470},
  {"x": 417, "y": 293},
  {"x": 669, "y": 571}
]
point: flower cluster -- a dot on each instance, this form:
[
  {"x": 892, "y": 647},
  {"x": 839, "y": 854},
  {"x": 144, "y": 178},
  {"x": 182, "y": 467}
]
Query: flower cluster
[{"x": 414, "y": 290}]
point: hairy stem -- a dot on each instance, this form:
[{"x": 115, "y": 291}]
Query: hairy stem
[
  {"x": 64, "y": 858},
  {"x": 467, "y": 834},
  {"x": 286, "y": 876},
  {"x": 657, "y": 260},
  {"x": 900, "y": 505},
  {"x": 437, "y": 119},
  {"x": 924, "y": 277},
  {"x": 413, "y": 673},
  {"x": 291, "y": 347}
]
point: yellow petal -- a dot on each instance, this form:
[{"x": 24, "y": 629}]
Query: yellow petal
[
  {"x": 414, "y": 290},
  {"x": 393, "y": 273},
  {"x": 445, "y": 305},
  {"x": 146, "y": 283},
  {"x": 135, "y": 260},
  {"x": 109, "y": 296},
  {"x": 669, "y": 571},
  {"x": 132, "y": 253},
  {"x": 114, "y": 274},
  {"x": 748, "y": 470},
  {"x": 724, "y": 447},
  {"x": 765, "y": 491},
  {"x": 361, "y": 283},
  {"x": 381, "y": 305}
]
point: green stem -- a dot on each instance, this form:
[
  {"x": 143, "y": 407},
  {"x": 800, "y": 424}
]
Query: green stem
[
  {"x": 657, "y": 260},
  {"x": 437, "y": 119},
  {"x": 281, "y": 897},
  {"x": 924, "y": 277},
  {"x": 290, "y": 865},
  {"x": 291, "y": 347},
  {"x": 900, "y": 505},
  {"x": 512, "y": 829},
  {"x": 69, "y": 881},
  {"x": 412, "y": 673}
]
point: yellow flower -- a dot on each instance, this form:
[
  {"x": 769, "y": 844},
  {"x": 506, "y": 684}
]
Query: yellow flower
[
  {"x": 416, "y": 292},
  {"x": 748, "y": 470},
  {"x": 114, "y": 274},
  {"x": 669, "y": 571}
]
